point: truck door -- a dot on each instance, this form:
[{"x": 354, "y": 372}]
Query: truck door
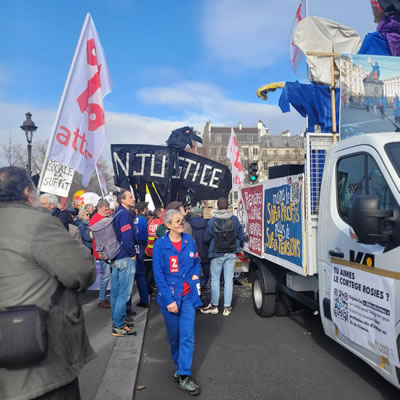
[{"x": 359, "y": 282}]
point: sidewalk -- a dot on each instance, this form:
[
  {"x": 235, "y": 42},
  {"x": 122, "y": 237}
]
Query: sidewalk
[{"x": 112, "y": 374}]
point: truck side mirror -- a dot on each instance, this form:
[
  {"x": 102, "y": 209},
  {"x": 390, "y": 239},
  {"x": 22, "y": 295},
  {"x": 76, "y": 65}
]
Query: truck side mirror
[{"x": 367, "y": 220}]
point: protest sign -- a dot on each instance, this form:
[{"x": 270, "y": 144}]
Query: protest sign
[
  {"x": 362, "y": 307},
  {"x": 283, "y": 221},
  {"x": 57, "y": 179},
  {"x": 252, "y": 203}
]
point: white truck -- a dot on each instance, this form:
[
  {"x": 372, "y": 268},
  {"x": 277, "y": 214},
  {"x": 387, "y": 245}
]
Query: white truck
[{"x": 329, "y": 237}]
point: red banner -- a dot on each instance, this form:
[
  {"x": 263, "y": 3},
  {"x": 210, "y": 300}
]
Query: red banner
[{"x": 253, "y": 203}]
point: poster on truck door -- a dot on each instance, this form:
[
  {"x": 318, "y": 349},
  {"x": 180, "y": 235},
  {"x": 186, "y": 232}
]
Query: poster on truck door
[
  {"x": 283, "y": 222},
  {"x": 251, "y": 208},
  {"x": 362, "y": 308}
]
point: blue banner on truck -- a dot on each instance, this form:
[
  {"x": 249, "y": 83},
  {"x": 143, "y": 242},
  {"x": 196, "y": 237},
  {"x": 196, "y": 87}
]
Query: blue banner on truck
[{"x": 283, "y": 219}]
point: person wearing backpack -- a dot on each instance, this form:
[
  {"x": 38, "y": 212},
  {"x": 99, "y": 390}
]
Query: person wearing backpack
[
  {"x": 225, "y": 235},
  {"x": 124, "y": 264},
  {"x": 103, "y": 208}
]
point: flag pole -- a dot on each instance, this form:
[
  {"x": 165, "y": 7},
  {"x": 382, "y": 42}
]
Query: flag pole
[
  {"x": 60, "y": 106},
  {"x": 98, "y": 179}
]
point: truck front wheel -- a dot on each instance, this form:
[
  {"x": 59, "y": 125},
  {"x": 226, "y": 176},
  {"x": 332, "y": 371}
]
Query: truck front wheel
[{"x": 264, "y": 304}]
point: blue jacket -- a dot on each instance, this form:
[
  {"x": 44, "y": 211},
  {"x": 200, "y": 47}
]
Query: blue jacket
[
  {"x": 85, "y": 236},
  {"x": 209, "y": 233},
  {"x": 126, "y": 233},
  {"x": 199, "y": 225},
  {"x": 172, "y": 268},
  {"x": 142, "y": 236}
]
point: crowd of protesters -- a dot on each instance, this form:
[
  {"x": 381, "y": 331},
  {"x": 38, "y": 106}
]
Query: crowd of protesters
[{"x": 171, "y": 253}]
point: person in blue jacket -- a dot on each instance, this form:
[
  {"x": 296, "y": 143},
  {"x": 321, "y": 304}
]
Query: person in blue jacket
[
  {"x": 176, "y": 266},
  {"x": 124, "y": 265},
  {"x": 83, "y": 225},
  {"x": 141, "y": 233}
]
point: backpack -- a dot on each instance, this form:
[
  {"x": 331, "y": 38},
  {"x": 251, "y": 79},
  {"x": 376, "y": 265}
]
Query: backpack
[
  {"x": 107, "y": 243},
  {"x": 224, "y": 235},
  {"x": 75, "y": 232}
]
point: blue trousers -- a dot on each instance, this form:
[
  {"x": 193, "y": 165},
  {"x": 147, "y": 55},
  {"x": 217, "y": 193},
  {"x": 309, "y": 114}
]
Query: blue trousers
[
  {"x": 123, "y": 274},
  {"x": 141, "y": 281},
  {"x": 105, "y": 270},
  {"x": 180, "y": 331}
]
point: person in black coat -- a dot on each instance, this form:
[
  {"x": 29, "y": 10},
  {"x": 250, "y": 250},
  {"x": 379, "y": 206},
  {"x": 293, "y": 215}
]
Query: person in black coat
[{"x": 198, "y": 224}]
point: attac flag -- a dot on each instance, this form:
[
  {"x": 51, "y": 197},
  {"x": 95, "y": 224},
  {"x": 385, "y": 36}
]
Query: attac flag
[
  {"x": 78, "y": 134},
  {"x": 295, "y": 53},
  {"x": 232, "y": 154}
]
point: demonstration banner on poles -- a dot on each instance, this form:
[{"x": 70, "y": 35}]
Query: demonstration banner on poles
[{"x": 78, "y": 135}]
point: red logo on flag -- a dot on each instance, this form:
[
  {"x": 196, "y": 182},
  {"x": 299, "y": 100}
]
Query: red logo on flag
[{"x": 173, "y": 264}]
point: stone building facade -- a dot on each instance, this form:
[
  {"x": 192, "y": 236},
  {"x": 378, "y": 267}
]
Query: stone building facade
[{"x": 256, "y": 144}]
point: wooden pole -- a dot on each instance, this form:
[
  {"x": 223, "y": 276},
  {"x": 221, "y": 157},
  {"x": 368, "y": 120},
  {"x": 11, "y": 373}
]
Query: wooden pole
[{"x": 332, "y": 56}]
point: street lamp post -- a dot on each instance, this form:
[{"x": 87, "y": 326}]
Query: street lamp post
[{"x": 29, "y": 127}]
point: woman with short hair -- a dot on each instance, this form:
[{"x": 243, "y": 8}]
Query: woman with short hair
[
  {"x": 83, "y": 225},
  {"x": 176, "y": 267}
]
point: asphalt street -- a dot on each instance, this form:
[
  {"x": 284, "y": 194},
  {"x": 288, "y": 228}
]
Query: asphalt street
[{"x": 244, "y": 356}]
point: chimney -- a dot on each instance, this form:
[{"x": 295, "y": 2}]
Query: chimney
[{"x": 240, "y": 126}]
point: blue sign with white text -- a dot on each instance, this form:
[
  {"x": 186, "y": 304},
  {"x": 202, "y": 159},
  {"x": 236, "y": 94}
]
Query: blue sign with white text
[{"x": 283, "y": 220}]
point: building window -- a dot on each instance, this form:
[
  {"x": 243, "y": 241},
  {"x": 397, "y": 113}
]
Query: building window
[
  {"x": 223, "y": 151},
  {"x": 276, "y": 164},
  {"x": 264, "y": 153},
  {"x": 287, "y": 153},
  {"x": 250, "y": 138},
  {"x": 246, "y": 164},
  {"x": 265, "y": 165},
  {"x": 275, "y": 153},
  {"x": 255, "y": 151},
  {"x": 218, "y": 139},
  {"x": 246, "y": 151}
]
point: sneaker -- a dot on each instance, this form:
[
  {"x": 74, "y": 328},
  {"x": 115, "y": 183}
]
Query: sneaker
[
  {"x": 130, "y": 312},
  {"x": 187, "y": 384},
  {"x": 210, "y": 309},
  {"x": 128, "y": 319},
  {"x": 176, "y": 375},
  {"x": 227, "y": 311},
  {"x": 104, "y": 304},
  {"x": 125, "y": 331},
  {"x": 144, "y": 305}
]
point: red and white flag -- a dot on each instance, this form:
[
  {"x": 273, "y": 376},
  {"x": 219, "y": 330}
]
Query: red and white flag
[
  {"x": 295, "y": 53},
  {"x": 233, "y": 155},
  {"x": 79, "y": 133}
]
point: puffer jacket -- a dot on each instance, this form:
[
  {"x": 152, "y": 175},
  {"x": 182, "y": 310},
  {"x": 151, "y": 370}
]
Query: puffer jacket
[
  {"x": 209, "y": 233},
  {"x": 37, "y": 254}
]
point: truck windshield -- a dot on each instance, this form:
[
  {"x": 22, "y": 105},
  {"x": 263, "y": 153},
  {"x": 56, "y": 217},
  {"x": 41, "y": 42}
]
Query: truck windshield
[{"x": 393, "y": 151}]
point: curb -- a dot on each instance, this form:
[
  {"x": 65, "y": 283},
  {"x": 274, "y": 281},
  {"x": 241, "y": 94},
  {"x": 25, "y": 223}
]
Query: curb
[{"x": 119, "y": 380}]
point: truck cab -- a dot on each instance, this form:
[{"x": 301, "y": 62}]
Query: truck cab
[{"x": 358, "y": 249}]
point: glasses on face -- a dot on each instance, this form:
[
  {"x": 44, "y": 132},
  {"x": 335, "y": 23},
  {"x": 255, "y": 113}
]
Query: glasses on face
[{"x": 179, "y": 222}]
